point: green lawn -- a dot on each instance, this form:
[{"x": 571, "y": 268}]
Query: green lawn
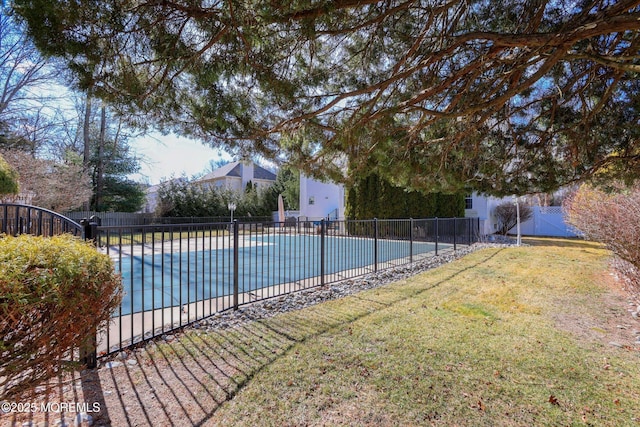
[{"x": 501, "y": 337}]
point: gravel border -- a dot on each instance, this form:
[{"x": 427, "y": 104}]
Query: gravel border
[
  {"x": 308, "y": 297},
  {"x": 312, "y": 296}
]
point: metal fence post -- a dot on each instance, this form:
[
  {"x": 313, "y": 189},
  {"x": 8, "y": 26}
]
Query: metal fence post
[
  {"x": 455, "y": 232},
  {"x": 236, "y": 240},
  {"x": 86, "y": 232},
  {"x": 410, "y": 239},
  {"x": 473, "y": 231},
  {"x": 89, "y": 347},
  {"x": 322, "y": 243},
  {"x": 436, "y": 236},
  {"x": 5, "y": 219},
  {"x": 16, "y": 229},
  {"x": 94, "y": 223},
  {"x": 375, "y": 244},
  {"x": 90, "y": 228}
]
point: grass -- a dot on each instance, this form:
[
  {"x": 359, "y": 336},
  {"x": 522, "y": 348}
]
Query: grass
[
  {"x": 476, "y": 342},
  {"x": 501, "y": 337}
]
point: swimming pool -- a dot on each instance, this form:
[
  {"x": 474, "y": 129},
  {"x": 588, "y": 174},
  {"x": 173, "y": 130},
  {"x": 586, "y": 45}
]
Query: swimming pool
[{"x": 176, "y": 278}]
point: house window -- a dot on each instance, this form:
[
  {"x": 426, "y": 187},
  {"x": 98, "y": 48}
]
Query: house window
[
  {"x": 468, "y": 202},
  {"x": 312, "y": 200}
]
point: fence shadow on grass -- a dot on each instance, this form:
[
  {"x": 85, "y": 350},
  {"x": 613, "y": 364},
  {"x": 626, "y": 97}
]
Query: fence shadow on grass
[{"x": 184, "y": 379}]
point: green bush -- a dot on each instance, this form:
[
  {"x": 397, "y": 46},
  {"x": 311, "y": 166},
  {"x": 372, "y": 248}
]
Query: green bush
[
  {"x": 8, "y": 178},
  {"x": 54, "y": 293}
]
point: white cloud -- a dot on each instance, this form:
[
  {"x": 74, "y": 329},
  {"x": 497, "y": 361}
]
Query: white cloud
[{"x": 164, "y": 156}]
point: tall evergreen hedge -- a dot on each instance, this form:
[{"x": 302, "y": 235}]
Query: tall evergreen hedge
[{"x": 373, "y": 197}]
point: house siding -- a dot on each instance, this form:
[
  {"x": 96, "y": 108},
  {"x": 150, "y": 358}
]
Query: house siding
[{"x": 320, "y": 199}]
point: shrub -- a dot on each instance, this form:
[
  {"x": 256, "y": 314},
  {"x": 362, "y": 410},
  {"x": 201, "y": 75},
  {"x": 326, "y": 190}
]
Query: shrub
[
  {"x": 507, "y": 215},
  {"x": 182, "y": 198},
  {"x": 612, "y": 218},
  {"x": 8, "y": 178},
  {"x": 54, "y": 293}
]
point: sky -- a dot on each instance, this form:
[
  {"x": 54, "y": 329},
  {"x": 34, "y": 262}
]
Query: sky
[{"x": 164, "y": 156}]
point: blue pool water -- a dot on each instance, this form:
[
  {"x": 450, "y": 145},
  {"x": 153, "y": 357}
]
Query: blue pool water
[{"x": 177, "y": 278}]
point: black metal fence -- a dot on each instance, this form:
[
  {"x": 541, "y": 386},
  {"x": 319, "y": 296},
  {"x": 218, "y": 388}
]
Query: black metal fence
[
  {"x": 18, "y": 219},
  {"x": 177, "y": 274},
  {"x": 174, "y": 275},
  {"x": 129, "y": 219}
]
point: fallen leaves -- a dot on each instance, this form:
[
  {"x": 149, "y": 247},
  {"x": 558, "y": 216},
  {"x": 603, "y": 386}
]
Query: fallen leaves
[{"x": 478, "y": 404}]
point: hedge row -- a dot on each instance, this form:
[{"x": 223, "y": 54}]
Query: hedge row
[{"x": 374, "y": 197}]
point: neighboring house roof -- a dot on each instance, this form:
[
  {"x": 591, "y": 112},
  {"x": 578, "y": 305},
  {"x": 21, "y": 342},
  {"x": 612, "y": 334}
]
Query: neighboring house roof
[
  {"x": 235, "y": 170},
  {"x": 230, "y": 169},
  {"x": 261, "y": 173}
]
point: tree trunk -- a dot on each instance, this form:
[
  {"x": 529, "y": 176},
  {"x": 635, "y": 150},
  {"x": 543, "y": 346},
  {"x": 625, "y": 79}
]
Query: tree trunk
[
  {"x": 100, "y": 160},
  {"x": 86, "y": 131}
]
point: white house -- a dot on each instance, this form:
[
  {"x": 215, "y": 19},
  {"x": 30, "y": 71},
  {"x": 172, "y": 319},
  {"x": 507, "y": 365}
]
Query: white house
[
  {"x": 482, "y": 207},
  {"x": 235, "y": 176},
  {"x": 327, "y": 200},
  {"x": 321, "y": 199}
]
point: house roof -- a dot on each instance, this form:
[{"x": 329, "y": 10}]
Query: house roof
[
  {"x": 261, "y": 173},
  {"x": 234, "y": 169}
]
